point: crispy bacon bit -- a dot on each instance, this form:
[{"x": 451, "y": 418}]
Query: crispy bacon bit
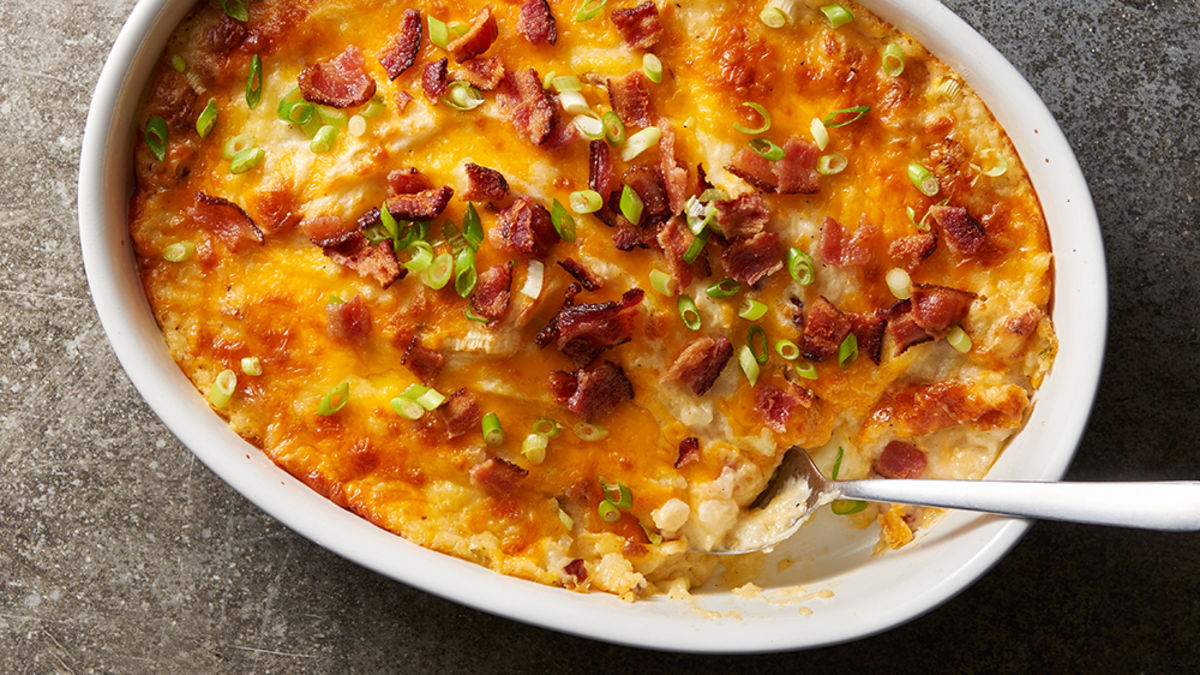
[
  {"x": 483, "y": 73},
  {"x": 920, "y": 409},
  {"x": 749, "y": 260},
  {"x": 484, "y": 184},
  {"x": 775, "y": 406},
  {"x": 630, "y": 98},
  {"x": 401, "y": 99},
  {"x": 868, "y": 328},
  {"x": 913, "y": 250},
  {"x": 838, "y": 250},
  {"x": 689, "y": 452},
  {"x": 499, "y": 477},
  {"x": 407, "y": 181},
  {"x": 600, "y": 168},
  {"x": 582, "y": 274},
  {"x": 598, "y": 390},
  {"x": 350, "y": 321},
  {"x": 902, "y": 326},
  {"x": 797, "y": 171},
  {"x": 581, "y": 332},
  {"x": 527, "y": 105},
  {"x": 341, "y": 82},
  {"x": 824, "y": 329},
  {"x": 537, "y": 24},
  {"x": 435, "y": 78},
  {"x": 962, "y": 233},
  {"x": 562, "y": 385},
  {"x": 401, "y": 53},
  {"x": 524, "y": 227},
  {"x": 425, "y": 363},
  {"x": 640, "y": 26},
  {"x": 936, "y": 308},
  {"x": 900, "y": 460},
  {"x": 628, "y": 237},
  {"x": 477, "y": 39},
  {"x": 226, "y": 221},
  {"x": 277, "y": 209},
  {"x": 701, "y": 362},
  {"x": 647, "y": 182},
  {"x": 754, "y": 169},
  {"x": 742, "y": 217},
  {"x": 376, "y": 262},
  {"x": 423, "y": 205},
  {"x": 460, "y": 412},
  {"x": 675, "y": 239},
  {"x": 576, "y": 568},
  {"x": 674, "y": 173},
  {"x": 492, "y": 294}
]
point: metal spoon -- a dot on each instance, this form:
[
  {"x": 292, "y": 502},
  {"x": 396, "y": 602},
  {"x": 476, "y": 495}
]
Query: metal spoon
[{"x": 797, "y": 489}]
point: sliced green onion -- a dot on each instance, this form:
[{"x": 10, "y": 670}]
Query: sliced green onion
[
  {"x": 246, "y": 160},
  {"x": 376, "y": 234},
  {"x": 574, "y": 103},
  {"x": 992, "y": 163},
  {"x": 461, "y": 95},
  {"x": 222, "y": 388},
  {"x": 300, "y": 113},
  {"x": 333, "y": 299},
  {"x": 472, "y": 229},
  {"x": 235, "y": 9},
  {"x": 787, "y": 350},
  {"x": 654, "y": 537},
  {"x": 920, "y": 225},
  {"x": 838, "y": 15},
  {"x": 587, "y": 431},
  {"x": 800, "y": 266},
  {"x": 892, "y": 63},
  {"x": 640, "y": 142},
  {"x": 653, "y": 67},
  {"x": 846, "y": 507},
  {"x": 752, "y": 310},
  {"x": 357, "y": 126},
  {"x": 430, "y": 399},
  {"x": 848, "y": 351},
  {"x": 465, "y": 274},
  {"x": 723, "y": 289},
  {"x": 286, "y": 103},
  {"x": 767, "y": 149},
  {"x": 588, "y": 9},
  {"x": 899, "y": 283},
  {"x": 439, "y": 33},
  {"x": 608, "y": 511},
  {"x": 693, "y": 252},
  {"x": 923, "y": 179},
  {"x": 589, "y": 125},
  {"x": 389, "y": 223},
  {"x": 254, "y": 83},
  {"x": 251, "y": 365},
  {"x": 688, "y": 312},
  {"x": 493, "y": 433},
  {"x": 631, "y": 205},
  {"x": 833, "y": 163},
  {"x": 534, "y": 448},
  {"x": 773, "y": 17},
  {"x": 548, "y": 78},
  {"x": 958, "y": 338},
  {"x": 156, "y": 137},
  {"x": 756, "y": 339},
  {"x": 806, "y": 370},
  {"x": 179, "y": 251},
  {"x": 819, "y": 133},
  {"x": 614, "y": 127},
  {"x": 335, "y": 400},
  {"x": 472, "y": 316},
  {"x": 413, "y": 391},
  {"x": 323, "y": 141},
  {"x": 563, "y": 83},
  {"x": 947, "y": 89},
  {"x": 563, "y": 221},
  {"x": 748, "y": 363},
  {"x": 662, "y": 282},
  {"x": 407, "y": 408},
  {"x": 373, "y": 109},
  {"x": 567, "y": 521},
  {"x": 460, "y": 29},
  {"x": 178, "y": 63},
  {"x": 837, "y": 463},
  {"x": 760, "y": 129},
  {"x": 714, "y": 195},
  {"x": 620, "y": 496},
  {"x": 207, "y": 118},
  {"x": 830, "y": 121},
  {"x": 438, "y": 274},
  {"x": 332, "y": 116},
  {"x": 586, "y": 201},
  {"x": 236, "y": 145},
  {"x": 544, "y": 426}
]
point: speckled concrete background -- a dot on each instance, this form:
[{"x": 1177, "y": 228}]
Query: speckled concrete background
[{"x": 119, "y": 552}]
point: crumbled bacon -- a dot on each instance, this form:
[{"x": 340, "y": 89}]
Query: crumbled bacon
[
  {"x": 484, "y": 184},
  {"x": 912, "y": 250},
  {"x": 868, "y": 329},
  {"x": 374, "y": 261},
  {"x": 525, "y": 227},
  {"x": 796, "y": 172},
  {"x": 749, "y": 260},
  {"x": 492, "y": 294},
  {"x": 423, "y": 205},
  {"x": 600, "y": 168},
  {"x": 754, "y": 169},
  {"x": 701, "y": 362},
  {"x": 483, "y": 73},
  {"x": 460, "y": 412},
  {"x": 936, "y": 308},
  {"x": 742, "y": 217},
  {"x": 640, "y": 26},
  {"x": 576, "y": 568},
  {"x": 401, "y": 53},
  {"x": 435, "y": 78},
  {"x": 401, "y": 98},
  {"x": 499, "y": 477},
  {"x": 902, "y": 326},
  {"x": 597, "y": 390},
  {"x": 350, "y": 321},
  {"x": 330, "y": 230},
  {"x": 824, "y": 329},
  {"x": 341, "y": 82},
  {"x": 647, "y": 182},
  {"x": 527, "y": 105},
  {"x": 628, "y": 237},
  {"x": 630, "y": 98},
  {"x": 424, "y": 362},
  {"x": 900, "y": 460},
  {"x": 536, "y": 23},
  {"x": 562, "y": 385},
  {"x": 963, "y": 234},
  {"x": 581, "y": 332},
  {"x": 674, "y": 173},
  {"x": 675, "y": 239},
  {"x": 775, "y": 406},
  {"x": 841, "y": 251},
  {"x": 478, "y": 38},
  {"x": 689, "y": 452},
  {"x": 407, "y": 181},
  {"x": 582, "y": 274},
  {"x": 226, "y": 221}
]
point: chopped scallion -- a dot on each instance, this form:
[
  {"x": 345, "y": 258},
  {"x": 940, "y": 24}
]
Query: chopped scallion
[
  {"x": 767, "y": 149},
  {"x": 723, "y": 289},
  {"x": 246, "y": 160},
  {"x": 323, "y": 141},
  {"x": 608, "y": 511},
  {"x": 752, "y": 310},
  {"x": 688, "y": 312},
  {"x": 837, "y": 463},
  {"x": 472, "y": 229},
  {"x": 846, "y": 507},
  {"x": 652, "y": 66},
  {"x": 588, "y": 9},
  {"x": 236, "y": 145},
  {"x": 848, "y": 351},
  {"x": 407, "y": 408},
  {"x": 534, "y": 448},
  {"x": 837, "y": 14},
  {"x": 614, "y": 127},
  {"x": 574, "y": 103},
  {"x": 178, "y": 63},
  {"x": 800, "y": 266},
  {"x": 301, "y": 112},
  {"x": 620, "y": 495},
  {"x": 958, "y": 338},
  {"x": 662, "y": 283},
  {"x": 923, "y": 179},
  {"x": 589, "y": 125},
  {"x": 332, "y": 116},
  {"x": 631, "y": 205},
  {"x": 156, "y": 137},
  {"x": 561, "y": 83},
  {"x": 430, "y": 399},
  {"x": 819, "y": 133},
  {"x": 493, "y": 433},
  {"x": 335, "y": 400},
  {"x": 756, "y": 339},
  {"x": 254, "y": 83},
  {"x": 587, "y": 431},
  {"x": 544, "y": 426},
  {"x": 357, "y": 126},
  {"x": 438, "y": 274},
  {"x": 899, "y": 283},
  {"x": 762, "y": 113},
  {"x": 222, "y": 388},
  {"x": 992, "y": 163},
  {"x": 654, "y": 537},
  {"x": 252, "y": 365},
  {"x": 696, "y": 247},
  {"x": 548, "y": 78},
  {"x": 640, "y": 142},
  {"x": 439, "y": 33},
  {"x": 835, "y": 119},
  {"x": 567, "y": 521},
  {"x": 772, "y": 17},
  {"x": 465, "y": 275},
  {"x": 461, "y": 95},
  {"x": 892, "y": 63},
  {"x": 472, "y": 316},
  {"x": 748, "y": 363},
  {"x": 806, "y": 370},
  {"x": 831, "y": 164},
  {"x": 422, "y": 256},
  {"x": 787, "y": 350},
  {"x": 373, "y": 109},
  {"x": 179, "y": 251},
  {"x": 207, "y": 118},
  {"x": 235, "y": 9},
  {"x": 586, "y": 201},
  {"x": 563, "y": 221}
]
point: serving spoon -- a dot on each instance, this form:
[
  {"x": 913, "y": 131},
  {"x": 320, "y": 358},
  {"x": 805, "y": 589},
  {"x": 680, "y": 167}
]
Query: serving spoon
[{"x": 798, "y": 488}]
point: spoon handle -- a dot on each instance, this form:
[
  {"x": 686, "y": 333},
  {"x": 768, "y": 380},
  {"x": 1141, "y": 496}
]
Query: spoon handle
[{"x": 1168, "y": 505}]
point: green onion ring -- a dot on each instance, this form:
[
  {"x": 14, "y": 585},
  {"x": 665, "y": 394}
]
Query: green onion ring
[
  {"x": 892, "y": 63},
  {"x": 252, "y": 365},
  {"x": 254, "y": 83},
  {"x": 461, "y": 95},
  {"x": 222, "y": 388},
  {"x": 588, "y": 9},
  {"x": 724, "y": 288},
  {"x": 958, "y": 338},
  {"x": 787, "y": 350},
  {"x": 923, "y": 179},
  {"x": 156, "y": 137},
  {"x": 465, "y": 275},
  {"x": 407, "y": 408},
  {"x": 235, "y": 9},
  {"x": 246, "y": 160},
  {"x": 179, "y": 251},
  {"x": 493, "y": 433},
  {"x": 608, "y": 511},
  {"x": 846, "y": 507},
  {"x": 693, "y": 252},
  {"x": 773, "y": 17},
  {"x": 438, "y": 274},
  {"x": 800, "y": 266},
  {"x": 752, "y": 310},
  {"x": 472, "y": 229},
  {"x": 837, "y": 14},
  {"x": 688, "y": 312},
  {"x": 640, "y": 142},
  {"x": 422, "y": 256},
  {"x": 534, "y": 448},
  {"x": 545, "y": 426},
  {"x": 614, "y": 127},
  {"x": 207, "y": 118},
  {"x": 767, "y": 149},
  {"x": 653, "y": 67},
  {"x": 749, "y": 364},
  {"x": 848, "y": 351},
  {"x": 430, "y": 399},
  {"x": 662, "y": 283},
  {"x": 762, "y": 112},
  {"x": 586, "y": 201},
  {"x": 589, "y": 432},
  {"x": 563, "y": 221},
  {"x": 561, "y": 83},
  {"x": 806, "y": 370},
  {"x": 858, "y": 111},
  {"x": 832, "y": 164},
  {"x": 756, "y": 339},
  {"x": 472, "y": 316},
  {"x": 624, "y": 500},
  {"x": 631, "y": 205},
  {"x": 335, "y": 400},
  {"x": 323, "y": 141},
  {"x": 439, "y": 33}
]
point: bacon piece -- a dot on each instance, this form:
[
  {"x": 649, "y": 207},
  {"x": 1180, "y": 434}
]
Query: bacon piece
[
  {"x": 598, "y": 390},
  {"x": 435, "y": 78},
  {"x": 640, "y": 26},
  {"x": 423, "y": 362},
  {"x": 868, "y": 329},
  {"x": 401, "y": 53},
  {"x": 628, "y": 237},
  {"x": 963, "y": 234},
  {"x": 647, "y": 182},
  {"x": 600, "y": 168},
  {"x": 824, "y": 329},
  {"x": 775, "y": 406},
  {"x": 754, "y": 169},
  {"x": 460, "y": 412},
  {"x": 350, "y": 321},
  {"x": 797, "y": 171},
  {"x": 376, "y": 261},
  {"x": 407, "y": 181},
  {"x": 582, "y": 274},
  {"x": 226, "y": 221},
  {"x": 562, "y": 385},
  {"x": 839, "y": 251},
  {"x": 423, "y": 205},
  {"x": 902, "y": 326},
  {"x": 748, "y": 260},
  {"x": 527, "y": 105},
  {"x": 524, "y": 227},
  {"x": 330, "y": 230},
  {"x": 483, "y": 73},
  {"x": 675, "y": 239},
  {"x": 537, "y": 24},
  {"x": 936, "y": 308},
  {"x": 277, "y": 209},
  {"x": 481, "y": 34},
  {"x": 341, "y": 82},
  {"x": 742, "y": 217},
  {"x": 484, "y": 184},
  {"x": 498, "y": 477},
  {"x": 561, "y": 135},
  {"x": 912, "y": 250},
  {"x": 401, "y": 99},
  {"x": 921, "y": 409},
  {"x": 581, "y": 332},
  {"x": 492, "y": 294},
  {"x": 701, "y": 362},
  {"x": 576, "y": 568},
  {"x": 689, "y": 452},
  {"x": 630, "y": 98},
  {"x": 900, "y": 460},
  {"x": 674, "y": 173}
]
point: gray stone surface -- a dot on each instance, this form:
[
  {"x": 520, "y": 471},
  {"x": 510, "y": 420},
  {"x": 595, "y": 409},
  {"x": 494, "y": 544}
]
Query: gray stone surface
[{"x": 119, "y": 552}]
